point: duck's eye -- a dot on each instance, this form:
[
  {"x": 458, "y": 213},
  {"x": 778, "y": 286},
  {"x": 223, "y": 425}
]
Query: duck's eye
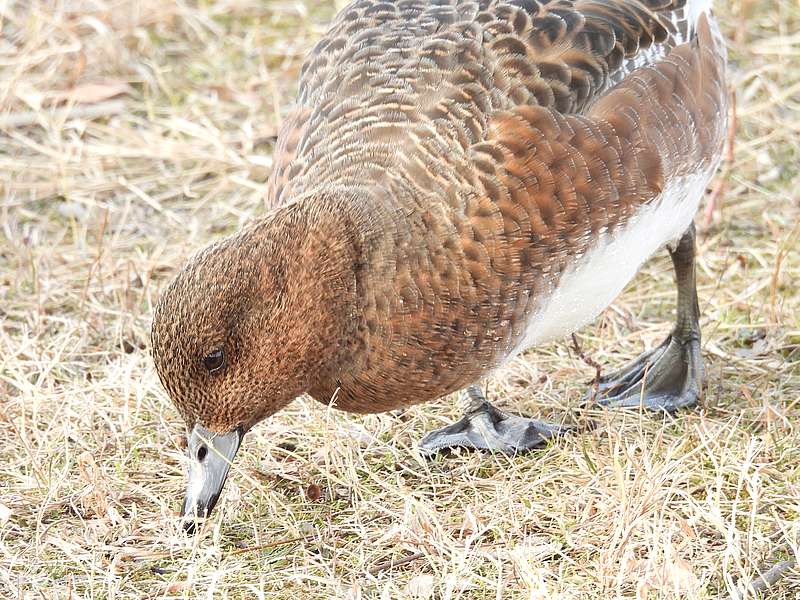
[{"x": 214, "y": 361}]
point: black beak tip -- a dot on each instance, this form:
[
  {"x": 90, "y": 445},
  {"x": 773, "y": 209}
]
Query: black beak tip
[
  {"x": 192, "y": 518},
  {"x": 189, "y": 518}
]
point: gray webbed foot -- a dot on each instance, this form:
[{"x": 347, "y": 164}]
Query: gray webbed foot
[
  {"x": 484, "y": 427},
  {"x": 670, "y": 376},
  {"x": 666, "y": 378}
]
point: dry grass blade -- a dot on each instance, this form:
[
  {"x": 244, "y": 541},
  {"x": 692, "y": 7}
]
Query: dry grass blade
[
  {"x": 102, "y": 198},
  {"x": 395, "y": 562},
  {"x": 32, "y": 117}
]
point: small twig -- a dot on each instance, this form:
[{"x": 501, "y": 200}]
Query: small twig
[
  {"x": 591, "y": 362},
  {"x": 392, "y": 563},
  {"x": 773, "y": 575},
  {"x": 81, "y": 111},
  {"x": 711, "y": 204},
  {"x": 267, "y": 545},
  {"x": 783, "y": 252},
  {"x": 766, "y": 580}
]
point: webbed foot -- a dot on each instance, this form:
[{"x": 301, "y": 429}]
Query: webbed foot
[
  {"x": 484, "y": 427},
  {"x": 666, "y": 378},
  {"x": 670, "y": 376}
]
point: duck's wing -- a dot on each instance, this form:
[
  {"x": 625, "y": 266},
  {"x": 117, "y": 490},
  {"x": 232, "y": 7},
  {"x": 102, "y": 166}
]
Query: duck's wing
[
  {"x": 665, "y": 24},
  {"x": 390, "y": 77},
  {"x": 583, "y": 174},
  {"x": 559, "y": 53}
]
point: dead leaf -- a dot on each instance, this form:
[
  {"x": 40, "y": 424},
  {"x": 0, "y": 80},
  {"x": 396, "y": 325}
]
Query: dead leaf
[
  {"x": 95, "y": 498},
  {"x": 538, "y": 547},
  {"x": 469, "y": 525},
  {"x": 421, "y": 586},
  {"x": 674, "y": 576},
  {"x": 680, "y": 577},
  {"x": 93, "y": 92},
  {"x": 687, "y": 529},
  {"x": 77, "y": 68},
  {"x": 461, "y": 584},
  {"x": 177, "y": 587},
  {"x": 313, "y": 492},
  {"x": 354, "y": 593}
]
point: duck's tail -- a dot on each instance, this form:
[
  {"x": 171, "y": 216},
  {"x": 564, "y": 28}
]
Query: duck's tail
[{"x": 696, "y": 10}]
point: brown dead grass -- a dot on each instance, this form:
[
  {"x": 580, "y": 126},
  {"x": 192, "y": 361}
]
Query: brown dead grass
[{"x": 132, "y": 133}]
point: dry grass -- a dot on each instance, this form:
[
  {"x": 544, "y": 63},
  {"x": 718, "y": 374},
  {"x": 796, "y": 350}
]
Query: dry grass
[{"x": 134, "y": 132}]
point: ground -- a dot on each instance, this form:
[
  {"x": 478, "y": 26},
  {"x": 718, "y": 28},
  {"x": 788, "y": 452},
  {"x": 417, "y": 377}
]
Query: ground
[{"x": 134, "y": 132}]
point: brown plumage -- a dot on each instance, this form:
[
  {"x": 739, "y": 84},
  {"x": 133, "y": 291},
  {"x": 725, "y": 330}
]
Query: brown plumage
[{"x": 446, "y": 164}]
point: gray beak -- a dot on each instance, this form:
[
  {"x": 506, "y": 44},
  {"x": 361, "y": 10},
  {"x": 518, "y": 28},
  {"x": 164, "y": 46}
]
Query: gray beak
[{"x": 210, "y": 456}]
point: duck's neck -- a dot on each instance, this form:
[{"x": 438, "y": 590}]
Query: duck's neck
[{"x": 328, "y": 238}]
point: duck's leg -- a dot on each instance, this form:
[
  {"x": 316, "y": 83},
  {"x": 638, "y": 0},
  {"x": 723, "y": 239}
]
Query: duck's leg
[
  {"x": 669, "y": 376},
  {"x": 485, "y": 427}
]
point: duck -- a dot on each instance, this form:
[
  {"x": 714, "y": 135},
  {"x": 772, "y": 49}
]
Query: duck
[{"x": 458, "y": 181}]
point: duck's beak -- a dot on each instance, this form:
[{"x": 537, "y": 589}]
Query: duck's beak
[{"x": 210, "y": 456}]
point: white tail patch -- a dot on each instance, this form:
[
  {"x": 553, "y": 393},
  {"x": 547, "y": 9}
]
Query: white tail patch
[
  {"x": 694, "y": 8},
  {"x": 692, "y": 12}
]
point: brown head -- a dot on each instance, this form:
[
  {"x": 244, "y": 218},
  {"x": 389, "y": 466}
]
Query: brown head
[{"x": 250, "y": 323}]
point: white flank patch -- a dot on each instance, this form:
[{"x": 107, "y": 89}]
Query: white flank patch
[{"x": 592, "y": 283}]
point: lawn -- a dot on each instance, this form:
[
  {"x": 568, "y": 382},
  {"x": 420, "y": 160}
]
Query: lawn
[{"x": 134, "y": 132}]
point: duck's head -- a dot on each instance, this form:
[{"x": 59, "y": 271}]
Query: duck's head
[{"x": 249, "y": 324}]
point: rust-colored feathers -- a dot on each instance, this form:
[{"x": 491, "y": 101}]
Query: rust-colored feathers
[{"x": 458, "y": 157}]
